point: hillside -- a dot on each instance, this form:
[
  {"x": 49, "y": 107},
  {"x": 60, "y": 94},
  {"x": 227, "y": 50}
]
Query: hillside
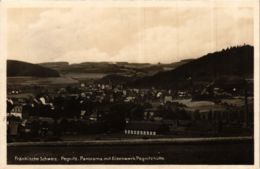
[
  {"x": 19, "y": 68},
  {"x": 234, "y": 61},
  {"x": 114, "y": 79},
  {"x": 54, "y": 65},
  {"x": 111, "y": 68}
]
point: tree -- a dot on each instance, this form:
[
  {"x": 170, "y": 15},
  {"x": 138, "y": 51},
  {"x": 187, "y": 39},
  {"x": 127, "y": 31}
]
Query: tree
[
  {"x": 115, "y": 118},
  {"x": 10, "y": 106}
]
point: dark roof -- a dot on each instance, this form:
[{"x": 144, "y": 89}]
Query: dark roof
[
  {"x": 153, "y": 109},
  {"x": 143, "y": 125}
]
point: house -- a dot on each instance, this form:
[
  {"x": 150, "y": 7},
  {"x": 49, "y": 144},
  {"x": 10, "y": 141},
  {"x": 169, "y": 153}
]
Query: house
[
  {"x": 17, "y": 111},
  {"x": 12, "y": 125},
  {"x": 181, "y": 93},
  {"x": 94, "y": 116},
  {"x": 144, "y": 128},
  {"x": 168, "y": 98},
  {"x": 177, "y": 125},
  {"x": 14, "y": 119},
  {"x": 149, "y": 113},
  {"x": 129, "y": 99}
]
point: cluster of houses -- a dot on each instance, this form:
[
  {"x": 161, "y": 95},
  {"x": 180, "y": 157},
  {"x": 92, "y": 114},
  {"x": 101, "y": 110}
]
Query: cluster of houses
[{"x": 152, "y": 123}]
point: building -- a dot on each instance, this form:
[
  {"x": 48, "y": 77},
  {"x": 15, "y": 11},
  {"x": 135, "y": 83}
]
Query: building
[
  {"x": 17, "y": 111},
  {"x": 144, "y": 128},
  {"x": 168, "y": 98}
]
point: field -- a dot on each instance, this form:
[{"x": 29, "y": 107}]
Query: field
[
  {"x": 239, "y": 101},
  {"x": 70, "y": 78},
  {"x": 209, "y": 105},
  {"x": 40, "y": 81},
  {"x": 85, "y": 76},
  {"x": 201, "y": 105}
]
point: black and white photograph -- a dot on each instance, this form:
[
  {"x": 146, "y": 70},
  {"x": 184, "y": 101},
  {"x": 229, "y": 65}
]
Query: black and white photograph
[{"x": 135, "y": 84}]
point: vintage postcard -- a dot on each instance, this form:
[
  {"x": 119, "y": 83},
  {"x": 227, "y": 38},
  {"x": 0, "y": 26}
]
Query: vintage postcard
[{"x": 136, "y": 83}]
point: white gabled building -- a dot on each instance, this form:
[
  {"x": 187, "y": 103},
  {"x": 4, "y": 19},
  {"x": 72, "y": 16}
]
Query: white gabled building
[{"x": 144, "y": 128}]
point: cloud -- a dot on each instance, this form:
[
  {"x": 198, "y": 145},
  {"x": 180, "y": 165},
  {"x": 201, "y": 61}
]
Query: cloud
[
  {"x": 194, "y": 38},
  {"x": 133, "y": 34},
  {"x": 150, "y": 44}
]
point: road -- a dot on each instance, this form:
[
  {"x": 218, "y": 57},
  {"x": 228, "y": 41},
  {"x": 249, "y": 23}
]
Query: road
[{"x": 220, "y": 152}]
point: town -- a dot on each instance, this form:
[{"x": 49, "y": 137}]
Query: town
[{"x": 36, "y": 113}]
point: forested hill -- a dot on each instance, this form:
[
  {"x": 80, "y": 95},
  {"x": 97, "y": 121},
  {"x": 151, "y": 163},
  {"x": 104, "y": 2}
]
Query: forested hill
[
  {"x": 234, "y": 61},
  {"x": 19, "y": 68}
]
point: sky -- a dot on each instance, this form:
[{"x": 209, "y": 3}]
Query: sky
[{"x": 132, "y": 34}]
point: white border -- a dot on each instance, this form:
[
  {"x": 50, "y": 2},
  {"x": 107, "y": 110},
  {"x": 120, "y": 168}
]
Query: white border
[{"x": 5, "y": 4}]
